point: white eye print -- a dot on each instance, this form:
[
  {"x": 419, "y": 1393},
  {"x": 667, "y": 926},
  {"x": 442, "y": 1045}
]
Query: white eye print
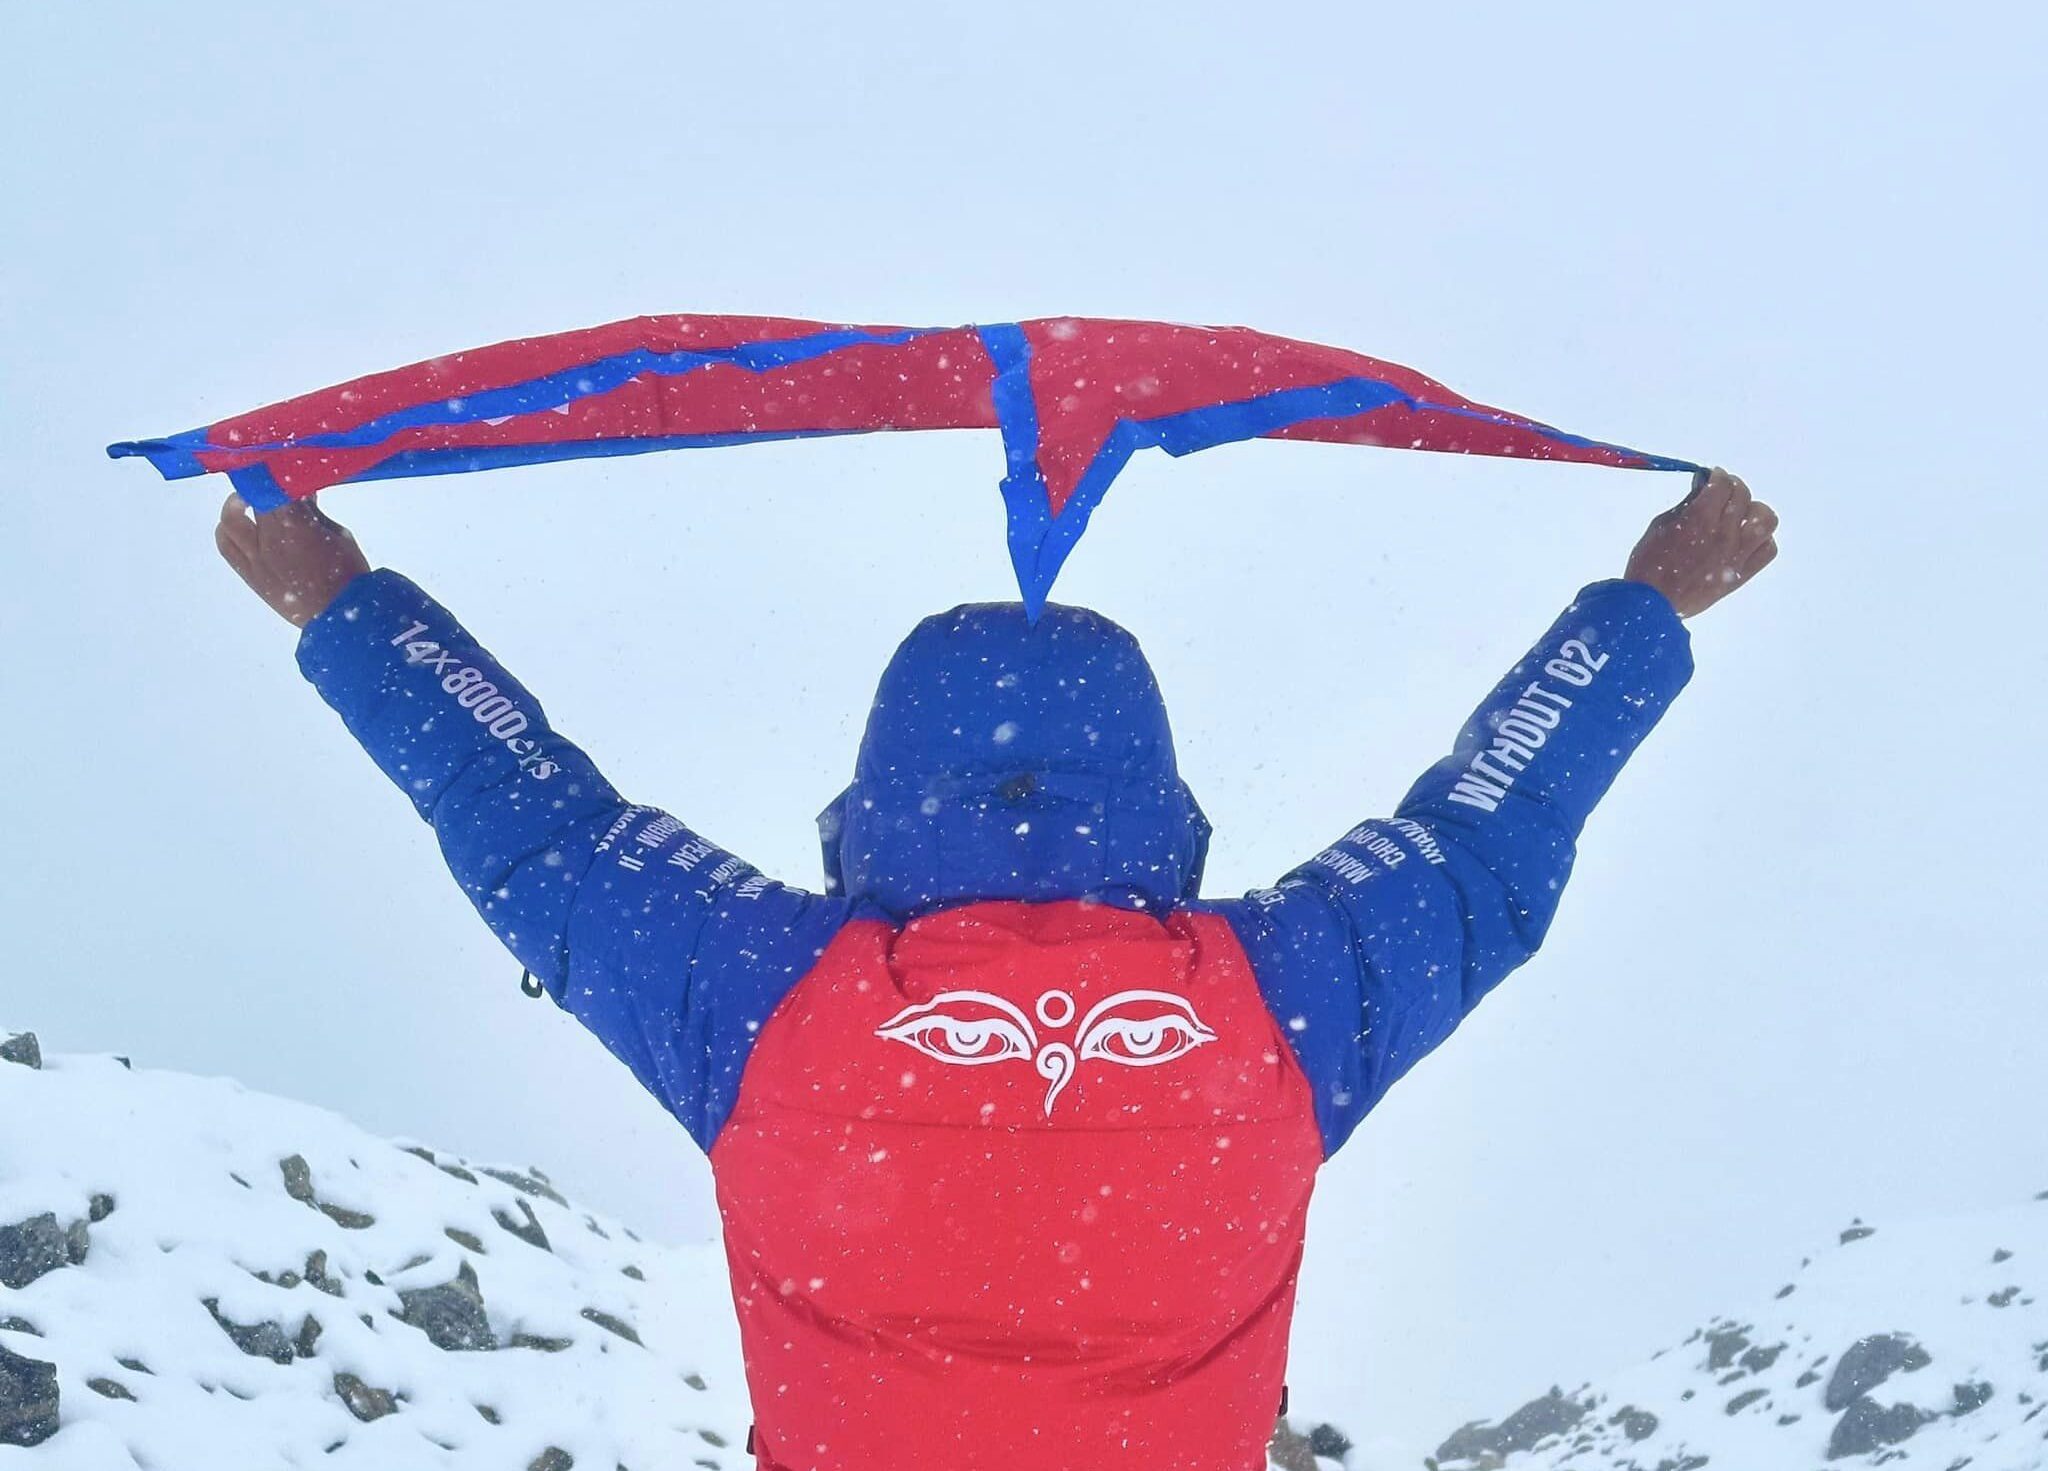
[
  {"x": 966, "y": 1027},
  {"x": 1142, "y": 1029}
]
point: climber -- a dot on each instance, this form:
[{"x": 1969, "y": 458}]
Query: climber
[{"x": 1012, "y": 1134}]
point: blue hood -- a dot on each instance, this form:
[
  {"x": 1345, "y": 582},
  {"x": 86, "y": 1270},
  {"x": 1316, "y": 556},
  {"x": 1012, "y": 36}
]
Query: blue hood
[{"x": 1011, "y": 760}]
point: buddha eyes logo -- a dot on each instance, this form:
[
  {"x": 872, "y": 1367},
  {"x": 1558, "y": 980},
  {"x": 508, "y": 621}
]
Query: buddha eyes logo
[{"x": 973, "y": 1029}]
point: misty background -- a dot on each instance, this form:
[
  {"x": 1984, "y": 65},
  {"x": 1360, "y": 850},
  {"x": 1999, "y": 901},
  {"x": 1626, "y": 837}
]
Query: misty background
[{"x": 1798, "y": 977}]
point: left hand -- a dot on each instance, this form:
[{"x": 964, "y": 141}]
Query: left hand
[
  {"x": 296, "y": 558},
  {"x": 1707, "y": 545}
]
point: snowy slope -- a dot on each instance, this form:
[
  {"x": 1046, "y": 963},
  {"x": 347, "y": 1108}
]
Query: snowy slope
[
  {"x": 224, "y": 1279},
  {"x": 1916, "y": 1346}
]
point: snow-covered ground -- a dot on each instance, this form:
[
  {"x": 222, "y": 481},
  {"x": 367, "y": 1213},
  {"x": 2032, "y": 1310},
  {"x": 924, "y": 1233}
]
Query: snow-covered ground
[
  {"x": 1922, "y": 1345},
  {"x": 210, "y": 1277},
  {"x": 228, "y": 1280}
]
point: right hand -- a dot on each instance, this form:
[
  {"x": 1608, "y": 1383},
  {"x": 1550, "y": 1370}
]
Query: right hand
[
  {"x": 296, "y": 558},
  {"x": 1707, "y": 545}
]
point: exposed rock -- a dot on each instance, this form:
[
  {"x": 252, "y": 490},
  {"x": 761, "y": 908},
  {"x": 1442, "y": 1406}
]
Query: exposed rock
[
  {"x": 1869, "y": 1362},
  {"x": 31, "y": 1248},
  {"x": 1867, "y": 1426},
  {"x": 1724, "y": 1343},
  {"x": 554, "y": 1458},
  {"x": 19, "y": 1325},
  {"x": 1553, "y": 1414},
  {"x": 365, "y": 1401},
  {"x": 22, "y": 1048},
  {"x": 528, "y": 1230},
  {"x": 458, "y": 1172},
  {"x": 610, "y": 1324},
  {"x": 1635, "y": 1424},
  {"x": 695, "y": 1381},
  {"x": 2003, "y": 1297},
  {"x": 298, "y": 1179},
  {"x": 298, "y": 1184},
  {"x": 316, "y": 1273},
  {"x": 634, "y": 1272},
  {"x": 491, "y": 1416},
  {"x": 468, "y": 1240},
  {"x": 28, "y": 1400},
  {"x": 1756, "y": 1360},
  {"x": 533, "y": 1183},
  {"x": 1744, "y": 1400},
  {"x": 1972, "y": 1396},
  {"x": 109, "y": 1388},
  {"x": 267, "y": 1340},
  {"x": 1857, "y": 1232},
  {"x": 136, "y": 1366},
  {"x": 77, "y": 1242},
  {"x": 1289, "y": 1449},
  {"x": 451, "y": 1315},
  {"x": 100, "y": 1207},
  {"x": 541, "y": 1342},
  {"x": 1328, "y": 1440}
]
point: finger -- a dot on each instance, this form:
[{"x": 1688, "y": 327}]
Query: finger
[
  {"x": 231, "y": 551},
  {"x": 1761, "y": 522},
  {"x": 1759, "y": 559},
  {"x": 235, "y": 525}
]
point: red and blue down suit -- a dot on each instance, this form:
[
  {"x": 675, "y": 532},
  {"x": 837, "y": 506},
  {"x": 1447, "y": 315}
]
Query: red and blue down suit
[{"x": 1012, "y": 1134}]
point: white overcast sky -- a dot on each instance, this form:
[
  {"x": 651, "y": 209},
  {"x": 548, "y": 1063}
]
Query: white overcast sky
[{"x": 1799, "y": 976}]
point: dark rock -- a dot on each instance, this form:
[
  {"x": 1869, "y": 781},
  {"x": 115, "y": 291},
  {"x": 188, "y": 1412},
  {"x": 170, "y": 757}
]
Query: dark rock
[
  {"x": 109, "y": 1388},
  {"x": 459, "y": 1173},
  {"x": 136, "y": 1366},
  {"x": 1744, "y": 1400},
  {"x": 1287, "y": 1449},
  {"x": 451, "y": 1315},
  {"x": 1868, "y": 1426},
  {"x": 259, "y": 1340},
  {"x": 1811, "y": 1376},
  {"x": 420, "y": 1152},
  {"x": 1787, "y": 1290},
  {"x": 531, "y": 1183},
  {"x": 365, "y": 1401},
  {"x": 1857, "y": 1233},
  {"x": 467, "y": 1239},
  {"x": 1328, "y": 1440},
  {"x": 77, "y": 1242},
  {"x": 528, "y": 1230},
  {"x": 372, "y": 1278},
  {"x": 610, "y": 1324},
  {"x": 316, "y": 1273},
  {"x": 2000, "y": 1255},
  {"x": 308, "y": 1340},
  {"x": 541, "y": 1342},
  {"x": 347, "y": 1219},
  {"x": 1635, "y": 1424},
  {"x": 634, "y": 1272},
  {"x": 490, "y": 1415},
  {"x": 695, "y": 1381},
  {"x": 1553, "y": 1414},
  {"x": 99, "y": 1208},
  {"x": 1756, "y": 1360},
  {"x": 1723, "y": 1344},
  {"x": 31, "y": 1248},
  {"x": 19, "y": 1325},
  {"x": 298, "y": 1179},
  {"x": 22, "y": 1048},
  {"x": 1972, "y": 1396},
  {"x": 1868, "y": 1363},
  {"x": 125, "y": 1063},
  {"x": 554, "y": 1458},
  {"x": 2003, "y": 1297},
  {"x": 28, "y": 1400}
]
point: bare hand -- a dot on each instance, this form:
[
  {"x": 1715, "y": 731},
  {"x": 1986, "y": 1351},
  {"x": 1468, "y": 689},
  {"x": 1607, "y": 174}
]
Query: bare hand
[
  {"x": 295, "y": 558},
  {"x": 1707, "y": 545}
]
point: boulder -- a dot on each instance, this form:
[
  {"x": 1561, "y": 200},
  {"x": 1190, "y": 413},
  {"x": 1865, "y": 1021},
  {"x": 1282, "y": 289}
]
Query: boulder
[
  {"x": 28, "y": 1400},
  {"x": 22, "y": 1048},
  {"x": 451, "y": 1314},
  {"x": 1868, "y": 1363},
  {"x": 31, "y": 1248}
]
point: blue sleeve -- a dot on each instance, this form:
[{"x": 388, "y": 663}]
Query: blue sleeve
[
  {"x": 1374, "y": 950},
  {"x": 668, "y": 948}
]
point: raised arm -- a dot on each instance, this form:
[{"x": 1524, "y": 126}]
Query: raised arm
[
  {"x": 1375, "y": 949},
  {"x": 671, "y": 950}
]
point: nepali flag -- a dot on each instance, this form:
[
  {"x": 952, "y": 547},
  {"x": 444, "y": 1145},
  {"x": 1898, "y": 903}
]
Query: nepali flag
[{"x": 1074, "y": 398}]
